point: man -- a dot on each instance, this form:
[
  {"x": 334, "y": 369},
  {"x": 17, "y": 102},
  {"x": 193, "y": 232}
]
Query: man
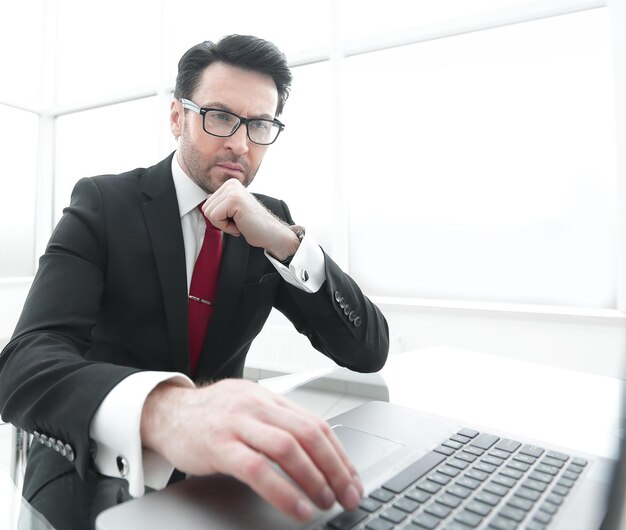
[{"x": 98, "y": 367}]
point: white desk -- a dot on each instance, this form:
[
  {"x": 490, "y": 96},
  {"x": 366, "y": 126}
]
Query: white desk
[
  {"x": 564, "y": 407},
  {"x": 561, "y": 406}
]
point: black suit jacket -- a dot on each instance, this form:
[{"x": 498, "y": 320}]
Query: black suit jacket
[{"x": 110, "y": 299}]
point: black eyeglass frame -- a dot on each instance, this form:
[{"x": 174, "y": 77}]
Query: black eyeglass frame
[{"x": 190, "y": 105}]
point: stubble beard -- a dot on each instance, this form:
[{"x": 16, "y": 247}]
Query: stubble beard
[{"x": 200, "y": 171}]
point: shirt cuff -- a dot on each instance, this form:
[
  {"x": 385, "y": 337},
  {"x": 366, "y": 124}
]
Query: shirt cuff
[
  {"x": 115, "y": 428},
  {"x": 306, "y": 270}
]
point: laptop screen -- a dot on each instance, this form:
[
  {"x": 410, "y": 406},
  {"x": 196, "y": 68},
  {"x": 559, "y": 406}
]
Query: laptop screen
[{"x": 615, "y": 518}]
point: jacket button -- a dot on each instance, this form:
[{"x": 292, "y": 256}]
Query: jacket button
[
  {"x": 347, "y": 309},
  {"x": 357, "y": 322},
  {"x": 122, "y": 466},
  {"x": 60, "y": 448},
  {"x": 337, "y": 296},
  {"x": 43, "y": 439},
  {"x": 352, "y": 316},
  {"x": 70, "y": 452},
  {"x": 51, "y": 441}
]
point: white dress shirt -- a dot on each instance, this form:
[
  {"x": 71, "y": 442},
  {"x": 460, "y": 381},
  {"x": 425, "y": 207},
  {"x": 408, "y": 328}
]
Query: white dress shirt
[{"x": 115, "y": 426}]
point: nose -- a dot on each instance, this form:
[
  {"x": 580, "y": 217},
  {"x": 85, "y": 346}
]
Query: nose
[{"x": 238, "y": 142}]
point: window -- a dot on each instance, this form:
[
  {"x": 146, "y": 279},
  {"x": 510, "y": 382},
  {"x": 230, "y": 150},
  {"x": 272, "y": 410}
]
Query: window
[
  {"x": 372, "y": 19},
  {"x": 109, "y": 139},
  {"x": 482, "y": 166},
  {"x": 298, "y": 167},
  {"x": 106, "y": 50},
  {"x": 21, "y": 58},
  {"x": 477, "y": 165},
  {"x": 18, "y": 138},
  {"x": 297, "y": 28}
]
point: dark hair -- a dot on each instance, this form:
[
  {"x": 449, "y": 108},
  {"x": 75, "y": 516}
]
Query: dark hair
[{"x": 243, "y": 51}]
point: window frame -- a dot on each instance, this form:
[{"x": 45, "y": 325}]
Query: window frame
[{"x": 335, "y": 52}]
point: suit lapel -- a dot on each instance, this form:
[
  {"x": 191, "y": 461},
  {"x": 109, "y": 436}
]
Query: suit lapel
[{"x": 162, "y": 217}]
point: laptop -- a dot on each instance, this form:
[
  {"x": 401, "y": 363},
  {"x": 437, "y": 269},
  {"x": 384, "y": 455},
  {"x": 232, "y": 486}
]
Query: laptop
[{"x": 420, "y": 472}]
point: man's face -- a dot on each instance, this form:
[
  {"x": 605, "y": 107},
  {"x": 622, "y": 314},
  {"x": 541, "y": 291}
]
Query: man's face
[{"x": 209, "y": 160}]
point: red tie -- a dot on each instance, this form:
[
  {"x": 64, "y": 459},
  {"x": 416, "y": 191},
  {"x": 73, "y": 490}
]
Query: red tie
[{"x": 203, "y": 289}]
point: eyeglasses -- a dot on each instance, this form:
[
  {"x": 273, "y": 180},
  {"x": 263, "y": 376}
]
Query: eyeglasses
[{"x": 222, "y": 123}]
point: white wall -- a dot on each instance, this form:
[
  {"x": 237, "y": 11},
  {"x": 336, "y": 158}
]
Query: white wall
[
  {"x": 593, "y": 344},
  {"x": 12, "y": 296},
  {"x": 587, "y": 343},
  {"x": 583, "y": 339}
]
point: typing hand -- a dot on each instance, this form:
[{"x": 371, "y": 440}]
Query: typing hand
[
  {"x": 238, "y": 428},
  {"x": 234, "y": 210}
]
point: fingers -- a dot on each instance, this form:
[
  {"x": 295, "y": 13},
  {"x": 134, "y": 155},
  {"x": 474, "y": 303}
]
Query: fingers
[
  {"x": 221, "y": 210},
  {"x": 253, "y": 469},
  {"x": 296, "y": 413},
  {"x": 338, "y": 448},
  {"x": 304, "y": 447},
  {"x": 236, "y": 211},
  {"x": 325, "y": 452},
  {"x": 283, "y": 448}
]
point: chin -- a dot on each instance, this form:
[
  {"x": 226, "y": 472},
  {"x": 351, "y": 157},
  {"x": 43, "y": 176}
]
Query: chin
[{"x": 214, "y": 183}]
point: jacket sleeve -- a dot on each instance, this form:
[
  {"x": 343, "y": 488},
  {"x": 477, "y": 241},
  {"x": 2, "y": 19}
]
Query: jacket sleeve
[
  {"x": 338, "y": 319},
  {"x": 46, "y": 384}
]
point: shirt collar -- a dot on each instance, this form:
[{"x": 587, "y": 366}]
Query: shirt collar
[{"x": 188, "y": 193}]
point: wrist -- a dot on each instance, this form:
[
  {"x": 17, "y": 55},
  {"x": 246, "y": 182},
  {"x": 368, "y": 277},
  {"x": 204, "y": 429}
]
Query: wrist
[
  {"x": 155, "y": 416},
  {"x": 288, "y": 250}
]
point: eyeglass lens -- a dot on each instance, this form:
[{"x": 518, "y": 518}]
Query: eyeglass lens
[{"x": 222, "y": 123}]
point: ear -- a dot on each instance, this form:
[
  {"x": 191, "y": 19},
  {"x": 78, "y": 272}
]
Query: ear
[{"x": 177, "y": 114}]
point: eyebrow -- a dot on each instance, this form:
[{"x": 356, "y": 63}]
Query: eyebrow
[{"x": 222, "y": 106}]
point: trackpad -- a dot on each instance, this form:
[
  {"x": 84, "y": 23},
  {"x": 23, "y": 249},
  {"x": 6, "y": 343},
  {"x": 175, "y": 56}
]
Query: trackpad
[{"x": 365, "y": 449}]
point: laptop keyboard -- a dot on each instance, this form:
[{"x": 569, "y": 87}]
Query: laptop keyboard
[{"x": 471, "y": 480}]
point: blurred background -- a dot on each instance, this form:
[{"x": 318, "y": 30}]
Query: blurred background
[{"x": 464, "y": 160}]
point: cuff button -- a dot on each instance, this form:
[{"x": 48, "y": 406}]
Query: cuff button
[{"x": 122, "y": 466}]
